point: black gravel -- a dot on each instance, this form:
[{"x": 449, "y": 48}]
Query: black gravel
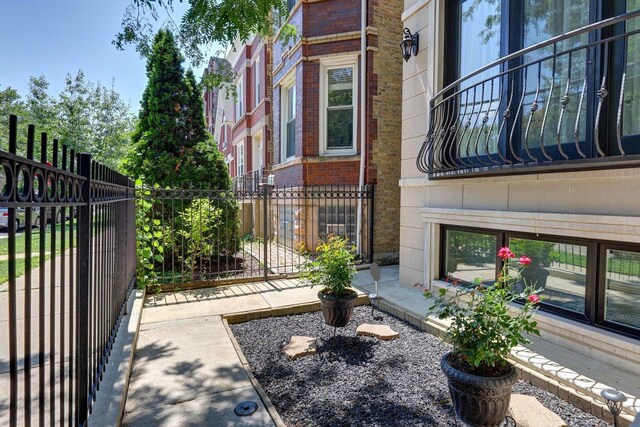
[{"x": 362, "y": 381}]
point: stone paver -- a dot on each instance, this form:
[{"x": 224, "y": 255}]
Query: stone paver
[
  {"x": 300, "y": 346},
  {"x": 528, "y": 412},
  {"x": 382, "y": 332}
]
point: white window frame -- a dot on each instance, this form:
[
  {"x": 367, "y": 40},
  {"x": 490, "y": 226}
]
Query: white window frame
[
  {"x": 256, "y": 81},
  {"x": 286, "y": 84},
  {"x": 240, "y": 159},
  {"x": 239, "y": 99},
  {"x": 325, "y": 66}
]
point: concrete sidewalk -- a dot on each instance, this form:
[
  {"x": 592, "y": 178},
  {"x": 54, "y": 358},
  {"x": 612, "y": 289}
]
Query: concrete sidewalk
[{"x": 186, "y": 370}]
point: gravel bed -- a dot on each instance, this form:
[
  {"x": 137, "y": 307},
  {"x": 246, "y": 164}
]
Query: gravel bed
[{"x": 362, "y": 381}]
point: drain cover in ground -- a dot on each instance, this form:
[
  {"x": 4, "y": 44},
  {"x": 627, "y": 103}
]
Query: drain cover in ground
[
  {"x": 528, "y": 412},
  {"x": 300, "y": 347},
  {"x": 382, "y": 332}
]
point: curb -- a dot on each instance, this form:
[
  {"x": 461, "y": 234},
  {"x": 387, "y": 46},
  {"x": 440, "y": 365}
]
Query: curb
[{"x": 108, "y": 408}]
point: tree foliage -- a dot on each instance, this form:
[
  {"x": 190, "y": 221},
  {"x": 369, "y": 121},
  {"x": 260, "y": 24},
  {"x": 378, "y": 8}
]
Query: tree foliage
[
  {"x": 170, "y": 146},
  {"x": 86, "y": 117},
  {"x": 204, "y": 23}
]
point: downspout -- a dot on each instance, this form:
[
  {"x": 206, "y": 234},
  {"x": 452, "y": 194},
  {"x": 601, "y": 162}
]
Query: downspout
[{"x": 363, "y": 117}]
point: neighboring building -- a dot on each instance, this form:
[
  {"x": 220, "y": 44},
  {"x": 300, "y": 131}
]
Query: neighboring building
[
  {"x": 539, "y": 151},
  {"x": 244, "y": 127},
  {"x": 223, "y": 126},
  {"x": 210, "y": 96},
  {"x": 319, "y": 136}
]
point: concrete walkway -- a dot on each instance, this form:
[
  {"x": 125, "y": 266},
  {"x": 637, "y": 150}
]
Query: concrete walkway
[{"x": 187, "y": 372}]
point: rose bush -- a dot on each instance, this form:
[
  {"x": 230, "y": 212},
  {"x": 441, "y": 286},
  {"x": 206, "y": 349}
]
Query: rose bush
[{"x": 485, "y": 326}]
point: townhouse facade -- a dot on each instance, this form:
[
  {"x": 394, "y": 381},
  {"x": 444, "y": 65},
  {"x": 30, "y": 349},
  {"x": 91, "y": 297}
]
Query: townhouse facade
[
  {"x": 519, "y": 128},
  {"x": 210, "y": 96},
  {"x": 336, "y": 102},
  {"x": 241, "y": 123}
]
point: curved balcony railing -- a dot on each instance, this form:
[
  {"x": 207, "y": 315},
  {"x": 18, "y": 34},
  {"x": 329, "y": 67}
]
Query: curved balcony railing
[{"x": 570, "y": 102}]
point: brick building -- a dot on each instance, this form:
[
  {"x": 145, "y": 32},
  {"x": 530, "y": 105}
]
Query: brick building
[
  {"x": 210, "y": 96},
  {"x": 335, "y": 121}
]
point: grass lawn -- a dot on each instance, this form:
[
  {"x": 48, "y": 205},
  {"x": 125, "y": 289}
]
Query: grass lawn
[
  {"x": 4, "y": 267},
  {"x": 35, "y": 241}
]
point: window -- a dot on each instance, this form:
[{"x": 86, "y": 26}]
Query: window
[
  {"x": 288, "y": 120},
  {"x": 547, "y": 109},
  {"x": 240, "y": 159},
  {"x": 286, "y": 224},
  {"x": 470, "y": 255},
  {"x": 338, "y": 219},
  {"x": 596, "y": 282},
  {"x": 239, "y": 100},
  {"x": 290, "y": 4},
  {"x": 223, "y": 133},
  {"x": 256, "y": 81},
  {"x": 558, "y": 269},
  {"x": 621, "y": 286},
  {"x": 338, "y": 107}
]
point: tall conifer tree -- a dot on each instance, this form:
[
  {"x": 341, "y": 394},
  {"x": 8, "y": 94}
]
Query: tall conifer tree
[{"x": 170, "y": 146}]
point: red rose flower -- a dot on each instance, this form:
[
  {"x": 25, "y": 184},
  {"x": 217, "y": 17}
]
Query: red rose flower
[
  {"x": 506, "y": 253},
  {"x": 524, "y": 260},
  {"x": 534, "y": 298}
]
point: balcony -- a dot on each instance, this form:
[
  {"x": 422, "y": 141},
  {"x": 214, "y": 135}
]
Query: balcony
[{"x": 568, "y": 103}]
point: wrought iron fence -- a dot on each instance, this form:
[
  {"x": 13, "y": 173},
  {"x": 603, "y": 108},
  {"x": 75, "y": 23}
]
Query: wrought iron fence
[
  {"x": 567, "y": 102},
  {"x": 66, "y": 266},
  {"x": 252, "y": 181},
  {"x": 197, "y": 237}
]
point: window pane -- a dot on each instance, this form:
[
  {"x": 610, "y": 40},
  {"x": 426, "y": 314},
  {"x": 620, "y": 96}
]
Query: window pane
[
  {"x": 545, "y": 19},
  {"x": 337, "y": 218},
  {"x": 622, "y": 298},
  {"x": 479, "y": 21},
  {"x": 291, "y": 102},
  {"x": 631, "y": 111},
  {"x": 340, "y": 128},
  {"x": 558, "y": 269},
  {"x": 291, "y": 138},
  {"x": 340, "y": 87},
  {"x": 470, "y": 255}
]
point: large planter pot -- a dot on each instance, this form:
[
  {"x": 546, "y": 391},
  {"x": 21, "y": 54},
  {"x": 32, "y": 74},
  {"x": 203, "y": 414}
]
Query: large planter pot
[
  {"x": 479, "y": 401},
  {"x": 336, "y": 310}
]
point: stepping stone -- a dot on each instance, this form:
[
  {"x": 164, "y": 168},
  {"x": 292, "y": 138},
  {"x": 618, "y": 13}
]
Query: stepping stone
[
  {"x": 382, "y": 332},
  {"x": 300, "y": 347},
  {"x": 528, "y": 412}
]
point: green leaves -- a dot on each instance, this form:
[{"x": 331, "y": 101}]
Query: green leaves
[
  {"x": 485, "y": 322},
  {"x": 334, "y": 266}
]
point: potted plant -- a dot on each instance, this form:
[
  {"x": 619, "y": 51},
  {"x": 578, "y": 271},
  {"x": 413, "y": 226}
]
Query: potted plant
[
  {"x": 484, "y": 329},
  {"x": 333, "y": 269}
]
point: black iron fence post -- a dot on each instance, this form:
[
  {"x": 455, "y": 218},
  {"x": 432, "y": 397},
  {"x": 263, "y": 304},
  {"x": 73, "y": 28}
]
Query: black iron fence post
[
  {"x": 265, "y": 213},
  {"x": 371, "y": 189},
  {"x": 82, "y": 296}
]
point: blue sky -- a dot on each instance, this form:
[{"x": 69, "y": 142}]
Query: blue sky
[{"x": 56, "y": 37}]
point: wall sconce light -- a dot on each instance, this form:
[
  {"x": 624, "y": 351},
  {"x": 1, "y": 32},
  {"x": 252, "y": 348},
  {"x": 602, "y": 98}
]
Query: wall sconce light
[
  {"x": 614, "y": 399},
  {"x": 409, "y": 44}
]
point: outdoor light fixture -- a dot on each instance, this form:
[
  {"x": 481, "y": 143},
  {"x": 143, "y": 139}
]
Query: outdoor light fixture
[
  {"x": 409, "y": 44},
  {"x": 614, "y": 400}
]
